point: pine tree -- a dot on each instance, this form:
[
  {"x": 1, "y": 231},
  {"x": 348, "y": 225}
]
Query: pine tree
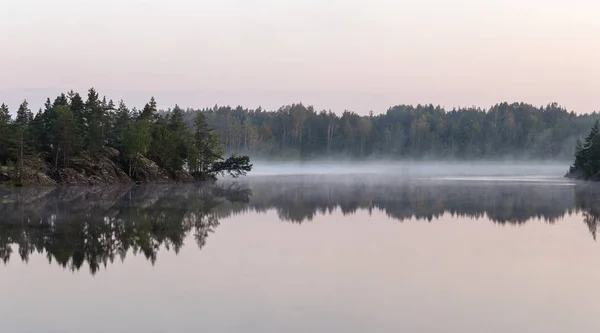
[
  {"x": 94, "y": 116},
  {"x": 37, "y": 132},
  {"x": 121, "y": 119},
  {"x": 24, "y": 115},
  {"x": 587, "y": 155},
  {"x": 64, "y": 127},
  {"x": 207, "y": 145},
  {"x": 588, "y": 151},
  {"x": 150, "y": 111},
  {"x": 6, "y": 134},
  {"x": 77, "y": 106},
  {"x": 4, "y": 114},
  {"x": 61, "y": 100}
]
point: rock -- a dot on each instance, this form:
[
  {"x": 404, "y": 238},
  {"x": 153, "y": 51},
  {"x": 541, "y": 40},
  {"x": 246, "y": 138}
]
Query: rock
[
  {"x": 5, "y": 174},
  {"x": 184, "y": 177},
  {"x": 34, "y": 177},
  {"x": 111, "y": 153},
  {"x": 35, "y": 171},
  {"x": 85, "y": 170},
  {"x": 149, "y": 172}
]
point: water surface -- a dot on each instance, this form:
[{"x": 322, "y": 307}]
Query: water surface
[{"x": 304, "y": 253}]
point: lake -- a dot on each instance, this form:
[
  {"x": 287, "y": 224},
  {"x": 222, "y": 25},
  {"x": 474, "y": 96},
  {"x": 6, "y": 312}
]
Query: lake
[{"x": 306, "y": 252}]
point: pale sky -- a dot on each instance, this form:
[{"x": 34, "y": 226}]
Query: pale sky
[{"x": 333, "y": 54}]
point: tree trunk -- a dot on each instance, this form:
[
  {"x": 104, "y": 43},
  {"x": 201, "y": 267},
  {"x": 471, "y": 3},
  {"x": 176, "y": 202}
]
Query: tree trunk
[{"x": 20, "y": 172}]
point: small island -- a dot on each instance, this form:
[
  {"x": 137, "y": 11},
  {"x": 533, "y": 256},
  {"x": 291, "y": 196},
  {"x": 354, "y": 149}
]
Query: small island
[
  {"x": 587, "y": 157},
  {"x": 72, "y": 141}
]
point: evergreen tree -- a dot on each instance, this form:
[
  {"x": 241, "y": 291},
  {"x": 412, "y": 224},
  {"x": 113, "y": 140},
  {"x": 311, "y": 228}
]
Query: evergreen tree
[
  {"x": 136, "y": 143},
  {"x": 47, "y": 105},
  {"x": 6, "y": 134},
  {"x": 24, "y": 115},
  {"x": 149, "y": 111},
  {"x": 61, "y": 100},
  {"x": 587, "y": 155},
  {"x": 121, "y": 118},
  {"x": 176, "y": 141},
  {"x": 4, "y": 114},
  {"x": 38, "y": 134},
  {"x": 207, "y": 146},
  {"x": 235, "y": 166},
  {"x": 78, "y": 108}
]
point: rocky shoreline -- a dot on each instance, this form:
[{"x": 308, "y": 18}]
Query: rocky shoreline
[
  {"x": 573, "y": 174},
  {"x": 102, "y": 169}
]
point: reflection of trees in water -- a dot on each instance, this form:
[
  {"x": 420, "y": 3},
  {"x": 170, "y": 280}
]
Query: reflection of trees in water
[
  {"x": 72, "y": 226},
  {"x": 97, "y": 225},
  {"x": 503, "y": 203},
  {"x": 588, "y": 201},
  {"x": 509, "y": 203}
]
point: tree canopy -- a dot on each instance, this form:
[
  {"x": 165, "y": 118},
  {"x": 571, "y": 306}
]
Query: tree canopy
[
  {"x": 587, "y": 156},
  {"x": 71, "y": 126},
  {"x": 196, "y": 140},
  {"x": 517, "y": 130}
]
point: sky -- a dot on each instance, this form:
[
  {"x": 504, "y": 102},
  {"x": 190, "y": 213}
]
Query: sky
[{"x": 357, "y": 55}]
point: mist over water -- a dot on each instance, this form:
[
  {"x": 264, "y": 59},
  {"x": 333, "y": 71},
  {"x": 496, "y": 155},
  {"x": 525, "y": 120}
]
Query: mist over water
[{"x": 412, "y": 170}]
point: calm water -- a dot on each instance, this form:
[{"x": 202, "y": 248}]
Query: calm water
[{"x": 314, "y": 253}]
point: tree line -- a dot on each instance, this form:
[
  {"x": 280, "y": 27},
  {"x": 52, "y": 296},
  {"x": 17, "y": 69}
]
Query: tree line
[
  {"x": 516, "y": 130},
  {"x": 71, "y": 126},
  {"x": 197, "y": 139}
]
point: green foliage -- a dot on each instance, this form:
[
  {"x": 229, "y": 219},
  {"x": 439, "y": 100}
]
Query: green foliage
[
  {"x": 4, "y": 114},
  {"x": 207, "y": 146},
  {"x": 176, "y": 141},
  {"x": 69, "y": 127},
  {"x": 24, "y": 115},
  {"x": 197, "y": 140},
  {"x": 149, "y": 111},
  {"x": 64, "y": 130},
  {"x": 6, "y": 134},
  {"x": 587, "y": 155},
  {"x": 516, "y": 130},
  {"x": 235, "y": 166},
  {"x": 136, "y": 142},
  {"x": 94, "y": 118}
]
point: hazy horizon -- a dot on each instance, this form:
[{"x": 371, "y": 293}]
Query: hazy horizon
[{"x": 356, "y": 55}]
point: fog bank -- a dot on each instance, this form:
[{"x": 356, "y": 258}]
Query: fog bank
[{"x": 410, "y": 169}]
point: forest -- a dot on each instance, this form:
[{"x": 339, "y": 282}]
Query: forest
[
  {"x": 71, "y": 127},
  {"x": 196, "y": 140},
  {"x": 504, "y": 131}
]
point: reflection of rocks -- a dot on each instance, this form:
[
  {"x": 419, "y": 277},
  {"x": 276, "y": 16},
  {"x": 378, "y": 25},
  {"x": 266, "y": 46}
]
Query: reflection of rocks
[{"x": 94, "y": 225}]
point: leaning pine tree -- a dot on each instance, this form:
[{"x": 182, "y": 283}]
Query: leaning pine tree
[{"x": 207, "y": 161}]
